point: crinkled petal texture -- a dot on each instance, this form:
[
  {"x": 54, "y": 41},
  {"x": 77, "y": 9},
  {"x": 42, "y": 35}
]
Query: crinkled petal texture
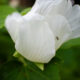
[{"x": 50, "y": 23}]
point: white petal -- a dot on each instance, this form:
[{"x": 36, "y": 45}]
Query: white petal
[
  {"x": 12, "y": 24},
  {"x": 35, "y": 40},
  {"x": 62, "y": 7},
  {"x": 51, "y": 7},
  {"x": 61, "y": 29},
  {"x": 74, "y": 20}
]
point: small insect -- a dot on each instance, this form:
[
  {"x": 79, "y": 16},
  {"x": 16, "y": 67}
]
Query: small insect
[{"x": 57, "y": 37}]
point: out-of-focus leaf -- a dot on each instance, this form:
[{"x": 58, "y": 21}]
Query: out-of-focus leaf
[
  {"x": 71, "y": 65},
  {"x": 50, "y": 72},
  {"x": 6, "y": 46},
  {"x": 15, "y": 70},
  {"x": 25, "y": 11},
  {"x": 40, "y": 66},
  {"x": 71, "y": 43},
  {"x": 4, "y": 12},
  {"x": 3, "y": 2}
]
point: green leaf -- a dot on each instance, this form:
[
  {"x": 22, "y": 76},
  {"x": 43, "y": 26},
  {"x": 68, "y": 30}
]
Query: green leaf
[
  {"x": 71, "y": 65},
  {"x": 50, "y": 72},
  {"x": 25, "y": 11},
  {"x": 3, "y": 2},
  {"x": 71, "y": 43},
  {"x": 40, "y": 66},
  {"x": 4, "y": 12},
  {"x": 6, "y": 46},
  {"x": 13, "y": 70}
]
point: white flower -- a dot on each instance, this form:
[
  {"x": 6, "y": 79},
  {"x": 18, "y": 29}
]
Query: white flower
[{"x": 49, "y": 24}]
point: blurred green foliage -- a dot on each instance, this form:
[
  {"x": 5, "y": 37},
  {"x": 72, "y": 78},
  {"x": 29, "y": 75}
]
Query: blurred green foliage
[
  {"x": 25, "y": 11},
  {"x": 5, "y": 10},
  {"x": 3, "y": 2},
  {"x": 64, "y": 66}
]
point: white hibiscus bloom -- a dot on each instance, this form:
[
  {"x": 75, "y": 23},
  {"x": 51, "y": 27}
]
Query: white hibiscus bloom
[{"x": 50, "y": 23}]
